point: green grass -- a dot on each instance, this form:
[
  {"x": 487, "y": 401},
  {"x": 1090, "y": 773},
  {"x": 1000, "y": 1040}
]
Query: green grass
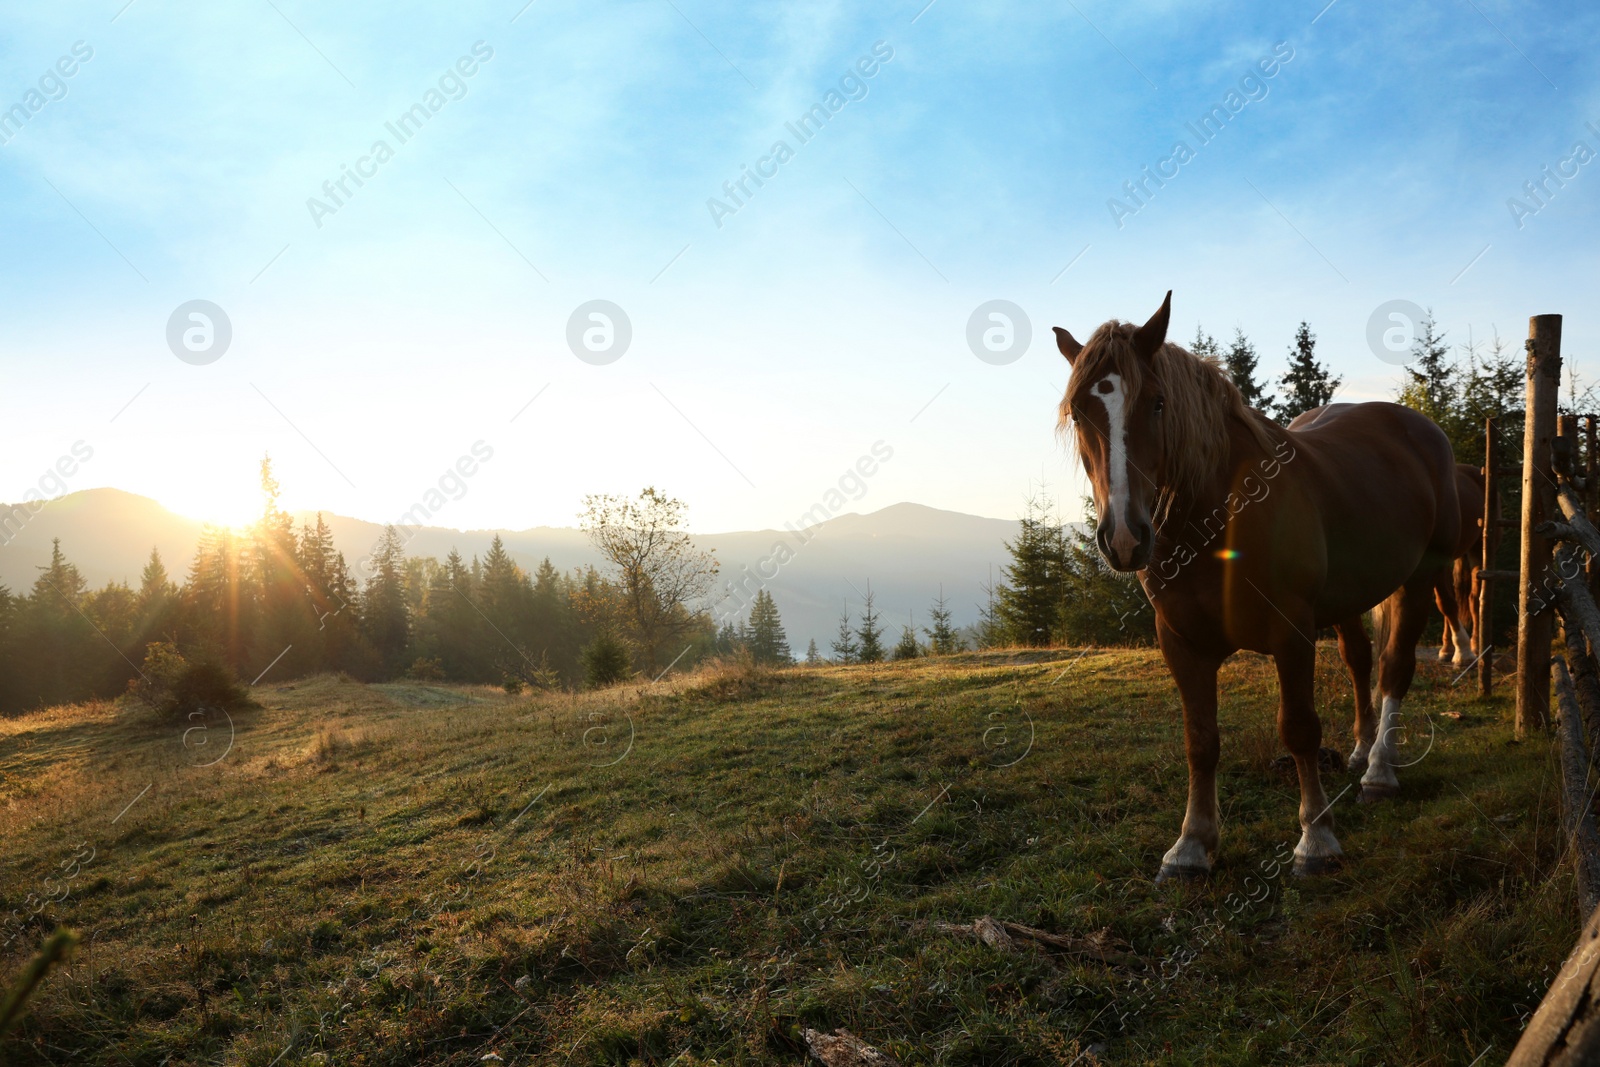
[{"x": 690, "y": 872}]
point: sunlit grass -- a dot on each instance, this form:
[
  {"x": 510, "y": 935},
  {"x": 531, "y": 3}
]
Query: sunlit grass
[{"x": 415, "y": 874}]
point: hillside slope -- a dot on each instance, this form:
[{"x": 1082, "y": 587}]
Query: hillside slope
[{"x": 691, "y": 872}]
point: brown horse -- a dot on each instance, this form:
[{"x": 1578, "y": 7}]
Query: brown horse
[
  {"x": 1249, "y": 535},
  {"x": 1456, "y": 591}
]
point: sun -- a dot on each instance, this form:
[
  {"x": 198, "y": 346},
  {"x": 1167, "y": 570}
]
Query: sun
[{"x": 219, "y": 505}]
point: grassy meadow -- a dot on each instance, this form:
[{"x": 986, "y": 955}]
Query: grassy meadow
[{"x": 693, "y": 871}]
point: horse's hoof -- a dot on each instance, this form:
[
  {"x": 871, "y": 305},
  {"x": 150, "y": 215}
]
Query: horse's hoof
[
  {"x": 1313, "y": 866},
  {"x": 1371, "y": 794},
  {"x": 1183, "y": 872},
  {"x": 1357, "y": 765}
]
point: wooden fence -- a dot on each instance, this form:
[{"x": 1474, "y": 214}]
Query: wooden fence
[{"x": 1555, "y": 583}]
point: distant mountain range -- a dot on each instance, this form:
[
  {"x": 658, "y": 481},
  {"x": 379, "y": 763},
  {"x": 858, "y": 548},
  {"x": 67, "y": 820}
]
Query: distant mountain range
[{"x": 906, "y": 552}]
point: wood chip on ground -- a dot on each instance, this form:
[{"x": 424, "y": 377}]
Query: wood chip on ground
[{"x": 844, "y": 1049}]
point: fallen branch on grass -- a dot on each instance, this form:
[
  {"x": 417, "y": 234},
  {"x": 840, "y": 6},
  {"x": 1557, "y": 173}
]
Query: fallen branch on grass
[{"x": 1004, "y": 936}]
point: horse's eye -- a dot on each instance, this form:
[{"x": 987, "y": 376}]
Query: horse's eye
[{"x": 1161, "y": 402}]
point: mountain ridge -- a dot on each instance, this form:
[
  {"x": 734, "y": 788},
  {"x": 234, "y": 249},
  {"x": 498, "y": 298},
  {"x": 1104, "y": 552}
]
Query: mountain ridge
[{"x": 904, "y": 553}]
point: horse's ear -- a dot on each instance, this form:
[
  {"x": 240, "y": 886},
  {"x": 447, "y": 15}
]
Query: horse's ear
[
  {"x": 1068, "y": 346},
  {"x": 1148, "y": 339}
]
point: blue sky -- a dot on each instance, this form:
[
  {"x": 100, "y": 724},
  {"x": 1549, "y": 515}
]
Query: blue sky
[{"x": 827, "y": 313}]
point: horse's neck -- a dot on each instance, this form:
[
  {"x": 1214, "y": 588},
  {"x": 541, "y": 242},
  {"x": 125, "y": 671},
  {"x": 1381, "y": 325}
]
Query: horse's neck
[{"x": 1191, "y": 508}]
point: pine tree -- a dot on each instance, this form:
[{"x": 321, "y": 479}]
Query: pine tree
[
  {"x": 1493, "y": 385},
  {"x": 316, "y": 554},
  {"x": 503, "y": 589},
  {"x": 989, "y": 631},
  {"x": 942, "y": 637},
  {"x": 154, "y": 605},
  {"x": 61, "y": 584},
  {"x": 1433, "y": 385},
  {"x": 219, "y": 600},
  {"x": 334, "y": 603},
  {"x": 451, "y": 628},
  {"x": 1204, "y": 345},
  {"x": 12, "y": 684},
  {"x": 1100, "y": 606},
  {"x": 56, "y": 639},
  {"x": 1241, "y": 360},
  {"x": 1030, "y": 599},
  {"x": 813, "y": 657},
  {"x": 844, "y": 645},
  {"x": 284, "y": 620},
  {"x": 1307, "y": 384},
  {"x": 505, "y": 596},
  {"x": 155, "y": 588},
  {"x": 869, "y": 634},
  {"x": 114, "y": 611},
  {"x": 552, "y": 631},
  {"x": 1431, "y": 372},
  {"x": 768, "y": 643},
  {"x": 384, "y": 615},
  {"x": 907, "y": 647}
]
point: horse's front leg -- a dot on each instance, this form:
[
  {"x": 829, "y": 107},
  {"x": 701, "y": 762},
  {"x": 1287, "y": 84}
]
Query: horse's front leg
[
  {"x": 1301, "y": 730},
  {"x": 1196, "y": 675}
]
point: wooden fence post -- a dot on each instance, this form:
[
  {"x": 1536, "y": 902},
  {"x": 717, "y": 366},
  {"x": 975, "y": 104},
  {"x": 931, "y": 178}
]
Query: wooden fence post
[
  {"x": 1491, "y": 535},
  {"x": 1591, "y": 495},
  {"x": 1534, "y": 600}
]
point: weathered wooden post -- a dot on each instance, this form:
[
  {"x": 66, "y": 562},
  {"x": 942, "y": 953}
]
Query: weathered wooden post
[
  {"x": 1591, "y": 496},
  {"x": 1567, "y": 432},
  {"x": 1566, "y": 1028},
  {"x": 1491, "y": 534},
  {"x": 1534, "y": 596}
]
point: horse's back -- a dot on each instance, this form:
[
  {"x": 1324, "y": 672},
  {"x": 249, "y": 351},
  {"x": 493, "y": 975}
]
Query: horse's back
[{"x": 1385, "y": 484}]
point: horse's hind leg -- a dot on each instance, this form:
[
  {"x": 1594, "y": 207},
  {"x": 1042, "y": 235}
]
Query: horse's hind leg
[
  {"x": 1465, "y": 573},
  {"x": 1444, "y": 599},
  {"x": 1355, "y": 648},
  {"x": 1400, "y": 620},
  {"x": 1301, "y": 730},
  {"x": 1455, "y": 646}
]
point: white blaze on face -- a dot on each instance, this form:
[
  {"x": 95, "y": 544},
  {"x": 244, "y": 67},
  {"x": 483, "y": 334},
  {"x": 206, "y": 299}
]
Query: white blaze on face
[{"x": 1109, "y": 392}]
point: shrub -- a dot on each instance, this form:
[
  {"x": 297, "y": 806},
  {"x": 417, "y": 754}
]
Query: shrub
[
  {"x": 522, "y": 673},
  {"x": 206, "y": 685},
  {"x": 606, "y": 661},
  {"x": 424, "y": 669},
  {"x": 175, "y": 685},
  {"x": 163, "y": 663}
]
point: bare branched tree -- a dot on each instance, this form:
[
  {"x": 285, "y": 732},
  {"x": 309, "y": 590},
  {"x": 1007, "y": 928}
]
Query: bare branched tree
[{"x": 660, "y": 571}]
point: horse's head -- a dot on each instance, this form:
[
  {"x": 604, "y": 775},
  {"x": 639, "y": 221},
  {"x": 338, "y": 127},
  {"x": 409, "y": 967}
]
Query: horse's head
[{"x": 1114, "y": 402}]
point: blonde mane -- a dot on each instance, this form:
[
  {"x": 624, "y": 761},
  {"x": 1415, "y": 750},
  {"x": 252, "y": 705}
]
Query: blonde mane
[{"x": 1199, "y": 395}]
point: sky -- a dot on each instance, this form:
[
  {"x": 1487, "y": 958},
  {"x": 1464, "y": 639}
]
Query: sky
[{"x": 558, "y": 154}]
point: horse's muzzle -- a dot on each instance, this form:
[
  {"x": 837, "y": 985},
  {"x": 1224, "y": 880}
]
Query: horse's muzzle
[{"x": 1138, "y": 560}]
